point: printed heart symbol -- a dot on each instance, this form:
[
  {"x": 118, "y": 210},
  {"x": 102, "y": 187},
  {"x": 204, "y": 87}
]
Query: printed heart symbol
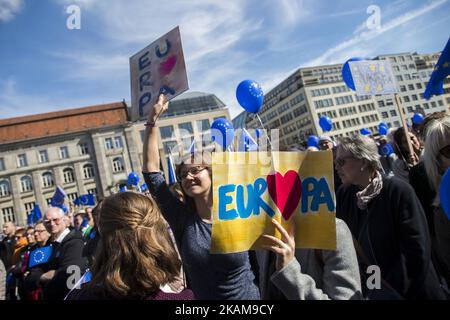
[
  {"x": 285, "y": 191},
  {"x": 167, "y": 66}
]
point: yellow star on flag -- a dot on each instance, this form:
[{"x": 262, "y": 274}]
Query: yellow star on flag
[
  {"x": 372, "y": 68},
  {"x": 446, "y": 64},
  {"x": 367, "y": 87}
]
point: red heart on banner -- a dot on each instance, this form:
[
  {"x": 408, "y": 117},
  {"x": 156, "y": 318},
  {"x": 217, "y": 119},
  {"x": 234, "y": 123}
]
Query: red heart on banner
[
  {"x": 167, "y": 66},
  {"x": 285, "y": 191}
]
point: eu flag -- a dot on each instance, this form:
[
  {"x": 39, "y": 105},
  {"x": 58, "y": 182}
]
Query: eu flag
[
  {"x": 58, "y": 197},
  {"x": 35, "y": 215},
  {"x": 441, "y": 71},
  {"x": 87, "y": 199},
  {"x": 40, "y": 256}
]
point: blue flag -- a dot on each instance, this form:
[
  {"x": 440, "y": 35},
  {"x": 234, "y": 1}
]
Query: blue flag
[
  {"x": 58, "y": 197},
  {"x": 172, "y": 176},
  {"x": 247, "y": 143},
  {"x": 37, "y": 214},
  {"x": 123, "y": 189},
  {"x": 85, "y": 200},
  {"x": 40, "y": 256},
  {"x": 30, "y": 218},
  {"x": 441, "y": 71},
  {"x": 143, "y": 187}
]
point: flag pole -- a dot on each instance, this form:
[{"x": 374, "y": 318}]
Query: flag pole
[{"x": 405, "y": 127}]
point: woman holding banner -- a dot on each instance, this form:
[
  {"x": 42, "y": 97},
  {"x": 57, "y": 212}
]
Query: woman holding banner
[
  {"x": 388, "y": 225},
  {"x": 308, "y": 274},
  {"x": 210, "y": 276}
]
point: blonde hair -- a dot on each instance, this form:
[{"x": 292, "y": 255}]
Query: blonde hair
[
  {"x": 135, "y": 255},
  {"x": 437, "y": 132}
]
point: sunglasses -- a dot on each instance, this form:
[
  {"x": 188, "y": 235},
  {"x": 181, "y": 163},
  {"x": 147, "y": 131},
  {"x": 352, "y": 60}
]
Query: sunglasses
[
  {"x": 445, "y": 151},
  {"x": 193, "y": 171},
  {"x": 341, "y": 161}
]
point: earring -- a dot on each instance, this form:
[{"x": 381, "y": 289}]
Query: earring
[{"x": 362, "y": 169}]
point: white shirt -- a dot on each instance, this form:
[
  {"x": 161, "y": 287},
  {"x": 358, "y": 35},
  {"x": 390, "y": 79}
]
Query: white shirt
[{"x": 63, "y": 235}]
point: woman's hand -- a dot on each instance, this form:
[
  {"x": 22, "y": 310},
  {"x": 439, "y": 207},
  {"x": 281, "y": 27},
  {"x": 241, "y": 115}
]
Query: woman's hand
[
  {"x": 161, "y": 106},
  {"x": 284, "y": 248}
]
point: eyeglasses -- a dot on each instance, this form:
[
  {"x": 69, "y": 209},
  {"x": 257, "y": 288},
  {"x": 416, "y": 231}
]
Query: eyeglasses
[
  {"x": 341, "y": 161},
  {"x": 56, "y": 221},
  {"x": 39, "y": 231},
  {"x": 445, "y": 151},
  {"x": 193, "y": 171}
]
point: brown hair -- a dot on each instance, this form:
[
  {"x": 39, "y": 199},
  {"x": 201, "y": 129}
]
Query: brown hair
[{"x": 135, "y": 255}]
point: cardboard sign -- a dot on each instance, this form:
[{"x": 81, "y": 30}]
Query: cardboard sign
[
  {"x": 159, "y": 68},
  {"x": 251, "y": 188},
  {"x": 373, "y": 77}
]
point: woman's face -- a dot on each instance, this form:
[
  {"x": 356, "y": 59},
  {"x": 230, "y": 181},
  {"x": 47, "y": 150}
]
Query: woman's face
[
  {"x": 195, "y": 180},
  {"x": 30, "y": 236},
  {"x": 348, "y": 167},
  {"x": 414, "y": 141},
  {"x": 41, "y": 233}
]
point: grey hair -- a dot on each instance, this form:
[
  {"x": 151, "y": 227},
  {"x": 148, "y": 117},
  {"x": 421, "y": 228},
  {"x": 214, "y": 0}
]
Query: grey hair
[
  {"x": 362, "y": 147},
  {"x": 436, "y": 134}
]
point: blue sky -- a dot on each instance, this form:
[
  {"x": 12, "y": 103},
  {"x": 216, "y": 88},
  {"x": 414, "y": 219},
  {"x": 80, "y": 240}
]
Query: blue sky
[{"x": 46, "y": 67}]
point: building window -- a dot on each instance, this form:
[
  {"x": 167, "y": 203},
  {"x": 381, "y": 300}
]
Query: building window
[
  {"x": 414, "y": 97},
  {"x": 22, "y": 160},
  {"x": 2, "y": 164},
  {"x": 28, "y": 207},
  {"x": 166, "y": 132},
  {"x": 43, "y": 156},
  {"x": 393, "y": 113},
  {"x": 441, "y": 103},
  {"x": 203, "y": 125},
  {"x": 185, "y": 128},
  {"x": 433, "y": 104},
  {"x": 49, "y": 202},
  {"x": 72, "y": 196},
  {"x": 68, "y": 175},
  {"x": 26, "y": 184},
  {"x": 64, "y": 152},
  {"x": 84, "y": 149},
  {"x": 118, "y": 142},
  {"x": 118, "y": 165},
  {"x": 142, "y": 132},
  {"x": 4, "y": 188},
  {"x": 419, "y": 85},
  {"x": 8, "y": 215},
  {"x": 108, "y": 143},
  {"x": 47, "y": 179},
  {"x": 384, "y": 115},
  {"x": 169, "y": 146},
  {"x": 92, "y": 191},
  {"x": 88, "y": 171}
]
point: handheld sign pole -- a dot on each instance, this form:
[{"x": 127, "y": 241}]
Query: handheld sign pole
[{"x": 405, "y": 127}]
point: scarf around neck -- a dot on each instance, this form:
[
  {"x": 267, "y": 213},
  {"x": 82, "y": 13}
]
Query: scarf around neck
[{"x": 371, "y": 191}]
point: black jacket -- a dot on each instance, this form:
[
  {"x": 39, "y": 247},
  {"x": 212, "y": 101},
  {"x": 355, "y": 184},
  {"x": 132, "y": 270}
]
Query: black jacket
[
  {"x": 6, "y": 250},
  {"x": 393, "y": 234},
  {"x": 66, "y": 254}
]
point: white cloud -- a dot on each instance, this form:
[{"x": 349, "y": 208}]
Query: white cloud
[
  {"x": 9, "y": 9},
  {"x": 362, "y": 43}
]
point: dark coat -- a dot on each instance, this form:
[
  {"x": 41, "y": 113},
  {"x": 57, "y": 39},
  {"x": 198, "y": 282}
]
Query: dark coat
[
  {"x": 393, "y": 234},
  {"x": 65, "y": 254},
  {"x": 6, "y": 251}
]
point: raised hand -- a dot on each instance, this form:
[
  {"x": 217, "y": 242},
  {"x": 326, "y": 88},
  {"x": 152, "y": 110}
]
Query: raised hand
[{"x": 284, "y": 247}]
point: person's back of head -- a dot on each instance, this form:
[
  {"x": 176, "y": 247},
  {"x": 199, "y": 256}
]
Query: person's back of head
[{"x": 135, "y": 256}]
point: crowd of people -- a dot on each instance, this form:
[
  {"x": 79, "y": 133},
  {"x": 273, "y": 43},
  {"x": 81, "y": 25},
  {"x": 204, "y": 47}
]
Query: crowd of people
[{"x": 156, "y": 246}]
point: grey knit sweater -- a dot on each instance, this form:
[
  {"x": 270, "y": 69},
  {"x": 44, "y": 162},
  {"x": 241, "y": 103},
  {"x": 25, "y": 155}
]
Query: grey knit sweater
[
  {"x": 2, "y": 281},
  {"x": 335, "y": 277}
]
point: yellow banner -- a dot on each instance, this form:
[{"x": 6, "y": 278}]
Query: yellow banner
[{"x": 251, "y": 188}]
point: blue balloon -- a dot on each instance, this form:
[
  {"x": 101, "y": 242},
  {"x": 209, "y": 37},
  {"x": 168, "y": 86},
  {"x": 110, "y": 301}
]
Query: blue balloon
[
  {"x": 143, "y": 187},
  {"x": 417, "y": 118},
  {"x": 313, "y": 141},
  {"x": 384, "y": 124},
  {"x": 133, "y": 179},
  {"x": 444, "y": 193},
  {"x": 386, "y": 150},
  {"x": 325, "y": 123},
  {"x": 347, "y": 74},
  {"x": 250, "y": 96},
  {"x": 222, "y": 132},
  {"x": 383, "y": 130},
  {"x": 365, "y": 131}
]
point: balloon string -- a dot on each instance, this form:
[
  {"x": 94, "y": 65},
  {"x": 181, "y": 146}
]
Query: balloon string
[{"x": 267, "y": 135}]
